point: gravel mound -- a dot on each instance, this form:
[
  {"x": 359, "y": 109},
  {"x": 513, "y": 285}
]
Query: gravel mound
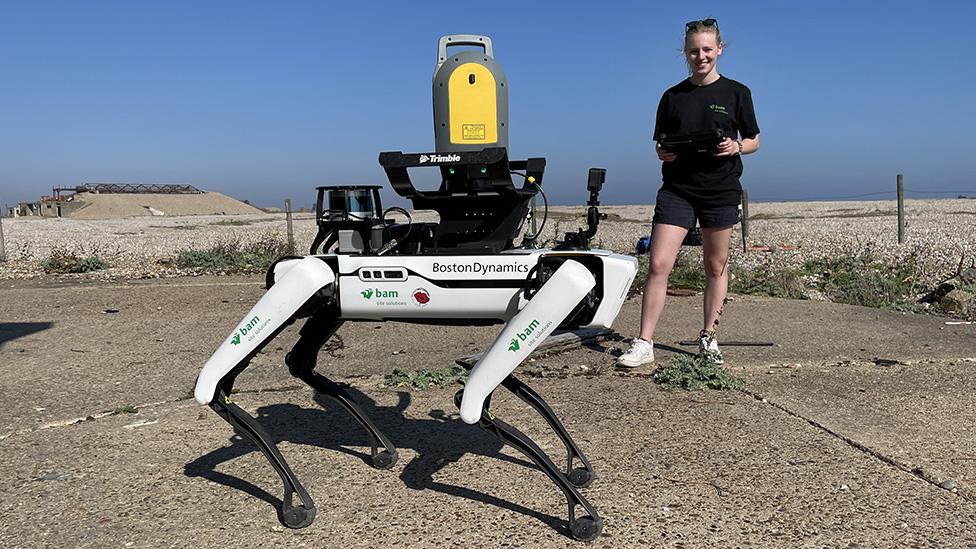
[{"x": 121, "y": 205}]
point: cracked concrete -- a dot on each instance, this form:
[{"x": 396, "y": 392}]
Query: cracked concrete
[{"x": 825, "y": 446}]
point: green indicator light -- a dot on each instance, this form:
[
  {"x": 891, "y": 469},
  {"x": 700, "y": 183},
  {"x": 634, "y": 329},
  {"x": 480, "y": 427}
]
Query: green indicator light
[
  {"x": 484, "y": 170},
  {"x": 450, "y": 171}
]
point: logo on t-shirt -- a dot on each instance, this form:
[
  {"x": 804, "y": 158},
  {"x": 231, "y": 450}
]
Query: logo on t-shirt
[{"x": 718, "y": 109}]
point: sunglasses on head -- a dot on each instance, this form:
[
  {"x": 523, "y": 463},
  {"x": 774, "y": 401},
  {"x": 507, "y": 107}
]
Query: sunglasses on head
[{"x": 692, "y": 25}]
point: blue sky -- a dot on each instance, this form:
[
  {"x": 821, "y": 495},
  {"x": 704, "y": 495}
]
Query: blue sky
[{"x": 264, "y": 101}]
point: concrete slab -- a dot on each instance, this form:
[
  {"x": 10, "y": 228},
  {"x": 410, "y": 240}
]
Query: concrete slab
[
  {"x": 675, "y": 469},
  {"x": 918, "y": 416},
  {"x": 842, "y": 452}
]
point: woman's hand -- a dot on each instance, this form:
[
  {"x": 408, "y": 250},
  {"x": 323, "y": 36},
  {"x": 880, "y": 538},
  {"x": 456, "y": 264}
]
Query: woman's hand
[
  {"x": 728, "y": 147},
  {"x": 664, "y": 155}
]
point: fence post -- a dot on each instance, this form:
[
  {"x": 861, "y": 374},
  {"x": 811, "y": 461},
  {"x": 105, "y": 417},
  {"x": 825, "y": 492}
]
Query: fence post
[
  {"x": 901, "y": 209},
  {"x": 745, "y": 218},
  {"x": 3, "y": 250},
  {"x": 291, "y": 233}
]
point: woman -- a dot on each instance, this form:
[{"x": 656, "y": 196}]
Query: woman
[{"x": 697, "y": 186}]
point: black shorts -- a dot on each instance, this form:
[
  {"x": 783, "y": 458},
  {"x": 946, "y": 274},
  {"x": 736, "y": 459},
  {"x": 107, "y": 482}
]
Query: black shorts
[{"x": 672, "y": 209}]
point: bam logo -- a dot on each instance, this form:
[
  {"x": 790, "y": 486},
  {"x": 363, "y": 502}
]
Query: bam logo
[
  {"x": 368, "y": 293},
  {"x": 523, "y": 335},
  {"x": 243, "y": 330},
  {"x": 718, "y": 108}
]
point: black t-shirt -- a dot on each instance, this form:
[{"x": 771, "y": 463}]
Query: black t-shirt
[{"x": 689, "y": 109}]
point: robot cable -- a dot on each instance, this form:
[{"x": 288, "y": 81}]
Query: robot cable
[
  {"x": 393, "y": 243},
  {"x": 531, "y": 239}
]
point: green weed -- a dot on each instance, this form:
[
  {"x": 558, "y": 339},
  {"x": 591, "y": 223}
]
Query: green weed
[
  {"x": 765, "y": 281},
  {"x": 915, "y": 308},
  {"x": 235, "y": 256},
  {"x": 424, "y": 378},
  {"x": 696, "y": 373},
  {"x": 687, "y": 273},
  {"x": 64, "y": 261},
  {"x": 863, "y": 280},
  {"x": 234, "y": 222}
]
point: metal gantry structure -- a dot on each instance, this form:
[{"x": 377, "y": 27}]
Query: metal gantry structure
[{"x": 127, "y": 188}]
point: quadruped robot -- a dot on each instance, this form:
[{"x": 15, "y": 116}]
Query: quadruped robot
[{"x": 464, "y": 269}]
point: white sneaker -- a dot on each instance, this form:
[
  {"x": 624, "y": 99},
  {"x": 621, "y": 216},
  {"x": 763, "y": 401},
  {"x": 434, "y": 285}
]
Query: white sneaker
[
  {"x": 708, "y": 343},
  {"x": 640, "y": 352}
]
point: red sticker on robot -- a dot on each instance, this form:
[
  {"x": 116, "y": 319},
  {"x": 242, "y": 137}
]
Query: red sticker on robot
[{"x": 421, "y": 296}]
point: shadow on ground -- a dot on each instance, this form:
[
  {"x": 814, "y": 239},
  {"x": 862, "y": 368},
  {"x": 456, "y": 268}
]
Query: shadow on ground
[
  {"x": 438, "y": 442},
  {"x": 10, "y": 331}
]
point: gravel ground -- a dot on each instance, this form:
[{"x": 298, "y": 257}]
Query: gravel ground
[{"x": 939, "y": 233}]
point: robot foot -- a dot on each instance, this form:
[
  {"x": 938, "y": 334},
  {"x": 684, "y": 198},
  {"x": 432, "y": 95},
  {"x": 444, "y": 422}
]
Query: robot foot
[
  {"x": 246, "y": 426},
  {"x": 580, "y": 477},
  {"x": 584, "y": 528}
]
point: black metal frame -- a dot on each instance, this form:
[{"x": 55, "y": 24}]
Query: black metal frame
[
  {"x": 479, "y": 206},
  {"x": 578, "y": 476}
]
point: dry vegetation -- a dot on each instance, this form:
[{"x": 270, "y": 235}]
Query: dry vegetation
[{"x": 809, "y": 245}]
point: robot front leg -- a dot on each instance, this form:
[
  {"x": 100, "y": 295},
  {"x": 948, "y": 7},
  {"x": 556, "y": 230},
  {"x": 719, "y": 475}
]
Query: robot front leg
[
  {"x": 584, "y": 528},
  {"x": 554, "y": 301},
  {"x": 307, "y": 284},
  {"x": 579, "y": 476},
  {"x": 301, "y": 363}
]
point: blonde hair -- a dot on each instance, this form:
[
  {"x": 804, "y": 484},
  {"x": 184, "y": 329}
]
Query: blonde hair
[{"x": 700, "y": 27}]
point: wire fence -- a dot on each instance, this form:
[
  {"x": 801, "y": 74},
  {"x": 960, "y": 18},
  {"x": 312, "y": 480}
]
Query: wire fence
[
  {"x": 898, "y": 194},
  {"x": 880, "y": 194}
]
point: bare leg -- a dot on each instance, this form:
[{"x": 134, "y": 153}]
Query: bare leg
[
  {"x": 715, "y": 252},
  {"x": 665, "y": 243}
]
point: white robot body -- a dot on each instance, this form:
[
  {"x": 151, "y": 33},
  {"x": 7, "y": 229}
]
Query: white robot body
[
  {"x": 397, "y": 287},
  {"x": 433, "y": 289}
]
